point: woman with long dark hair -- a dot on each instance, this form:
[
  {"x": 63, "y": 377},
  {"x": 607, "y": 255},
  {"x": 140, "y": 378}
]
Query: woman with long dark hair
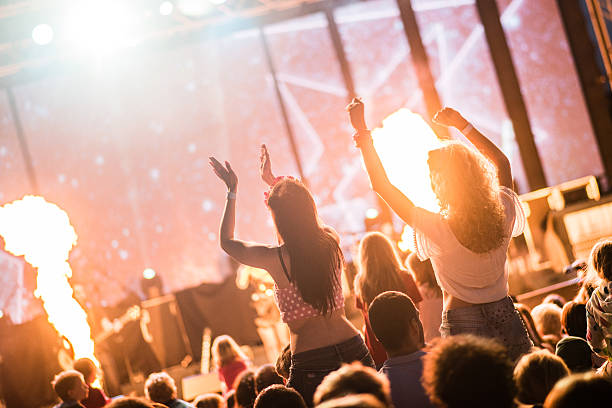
[
  {"x": 306, "y": 268},
  {"x": 380, "y": 270},
  {"x": 468, "y": 240}
]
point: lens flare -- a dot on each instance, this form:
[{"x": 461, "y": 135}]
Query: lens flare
[
  {"x": 41, "y": 232},
  {"x": 402, "y": 144}
]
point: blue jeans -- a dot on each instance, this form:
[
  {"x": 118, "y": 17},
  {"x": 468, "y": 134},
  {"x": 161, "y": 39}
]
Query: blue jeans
[
  {"x": 309, "y": 368},
  {"x": 499, "y": 320}
]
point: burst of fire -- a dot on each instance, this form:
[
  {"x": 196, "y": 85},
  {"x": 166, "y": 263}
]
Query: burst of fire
[
  {"x": 41, "y": 232},
  {"x": 402, "y": 144}
]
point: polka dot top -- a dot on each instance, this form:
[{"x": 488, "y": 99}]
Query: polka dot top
[{"x": 292, "y": 306}]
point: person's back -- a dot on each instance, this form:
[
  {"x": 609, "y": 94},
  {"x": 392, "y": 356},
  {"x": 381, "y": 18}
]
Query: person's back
[
  {"x": 395, "y": 322},
  {"x": 306, "y": 267}
]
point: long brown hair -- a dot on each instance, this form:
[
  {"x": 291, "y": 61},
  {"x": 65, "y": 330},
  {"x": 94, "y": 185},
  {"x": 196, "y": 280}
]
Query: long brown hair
[
  {"x": 467, "y": 188},
  {"x": 314, "y": 253},
  {"x": 379, "y": 268}
]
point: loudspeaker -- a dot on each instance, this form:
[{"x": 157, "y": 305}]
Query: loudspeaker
[{"x": 162, "y": 327}]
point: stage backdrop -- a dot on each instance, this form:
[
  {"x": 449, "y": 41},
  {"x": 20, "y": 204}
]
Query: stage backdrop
[{"x": 122, "y": 144}]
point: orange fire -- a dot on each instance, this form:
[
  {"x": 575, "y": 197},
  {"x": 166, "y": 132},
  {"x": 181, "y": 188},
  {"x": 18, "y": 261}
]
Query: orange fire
[
  {"x": 41, "y": 232},
  {"x": 402, "y": 144}
]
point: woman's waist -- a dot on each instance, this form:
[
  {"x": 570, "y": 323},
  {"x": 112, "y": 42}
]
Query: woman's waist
[
  {"x": 329, "y": 351},
  {"x": 453, "y": 304},
  {"x": 320, "y": 331}
]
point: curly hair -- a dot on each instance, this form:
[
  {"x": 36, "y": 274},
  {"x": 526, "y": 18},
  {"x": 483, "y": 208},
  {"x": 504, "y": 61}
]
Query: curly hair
[
  {"x": 467, "y": 188},
  {"x": 160, "y": 387},
  {"x": 469, "y": 371}
]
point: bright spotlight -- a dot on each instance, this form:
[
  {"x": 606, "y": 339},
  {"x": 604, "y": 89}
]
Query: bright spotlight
[
  {"x": 100, "y": 27},
  {"x": 165, "y": 9},
  {"x": 42, "y": 34},
  {"x": 1, "y": 314},
  {"x": 371, "y": 213},
  {"x": 194, "y": 8},
  {"x": 148, "y": 273}
]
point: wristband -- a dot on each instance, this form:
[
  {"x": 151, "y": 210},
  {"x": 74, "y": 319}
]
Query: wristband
[
  {"x": 231, "y": 195},
  {"x": 467, "y": 129}
]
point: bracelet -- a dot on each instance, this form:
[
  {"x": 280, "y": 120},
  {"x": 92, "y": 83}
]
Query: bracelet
[
  {"x": 467, "y": 129},
  {"x": 362, "y": 136},
  {"x": 231, "y": 195}
]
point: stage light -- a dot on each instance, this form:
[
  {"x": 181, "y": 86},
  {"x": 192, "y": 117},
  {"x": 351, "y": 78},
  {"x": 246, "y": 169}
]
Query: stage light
[
  {"x": 1, "y": 314},
  {"x": 42, "y": 34},
  {"x": 194, "y": 8},
  {"x": 148, "y": 273},
  {"x": 371, "y": 213},
  {"x": 165, "y": 9},
  {"x": 99, "y": 28}
]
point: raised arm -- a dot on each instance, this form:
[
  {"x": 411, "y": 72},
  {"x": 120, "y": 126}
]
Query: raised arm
[
  {"x": 450, "y": 117},
  {"x": 398, "y": 202},
  {"x": 259, "y": 256}
]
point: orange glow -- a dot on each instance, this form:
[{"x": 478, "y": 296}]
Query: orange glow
[
  {"x": 402, "y": 144},
  {"x": 41, "y": 232}
]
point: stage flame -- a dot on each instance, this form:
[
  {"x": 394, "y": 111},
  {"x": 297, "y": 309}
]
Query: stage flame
[
  {"x": 402, "y": 145},
  {"x": 41, "y": 232}
]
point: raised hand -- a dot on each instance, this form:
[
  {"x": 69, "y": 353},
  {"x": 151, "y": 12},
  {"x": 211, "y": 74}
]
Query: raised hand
[
  {"x": 356, "y": 114},
  {"x": 450, "y": 117},
  {"x": 225, "y": 173},
  {"x": 265, "y": 166}
]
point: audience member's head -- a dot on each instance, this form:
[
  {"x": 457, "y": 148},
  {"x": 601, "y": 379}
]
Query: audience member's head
[
  {"x": 160, "y": 387},
  {"x": 230, "y": 399},
  {"x": 225, "y": 350},
  {"x": 353, "y": 379},
  {"x": 555, "y": 299},
  {"x": 423, "y": 273},
  {"x": 576, "y": 353},
  {"x": 395, "y": 322},
  {"x": 600, "y": 260},
  {"x": 547, "y": 318},
  {"x": 245, "y": 389},
  {"x": 86, "y": 367},
  {"x": 70, "y": 385},
  {"x": 573, "y": 319},
  {"x": 130, "y": 402},
  {"x": 354, "y": 401},
  {"x": 210, "y": 400},
  {"x": 580, "y": 390},
  {"x": 469, "y": 371},
  {"x": 265, "y": 376},
  {"x": 279, "y": 396},
  {"x": 536, "y": 374},
  {"x": 283, "y": 362}
]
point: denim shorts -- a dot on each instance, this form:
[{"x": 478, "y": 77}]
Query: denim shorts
[
  {"x": 499, "y": 320},
  {"x": 309, "y": 368}
]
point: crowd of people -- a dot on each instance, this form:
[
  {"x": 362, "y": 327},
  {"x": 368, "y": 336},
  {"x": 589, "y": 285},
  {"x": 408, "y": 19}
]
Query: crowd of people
[{"x": 440, "y": 329}]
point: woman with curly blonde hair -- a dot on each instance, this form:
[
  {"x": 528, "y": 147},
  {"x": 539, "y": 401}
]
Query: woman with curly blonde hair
[{"x": 467, "y": 241}]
